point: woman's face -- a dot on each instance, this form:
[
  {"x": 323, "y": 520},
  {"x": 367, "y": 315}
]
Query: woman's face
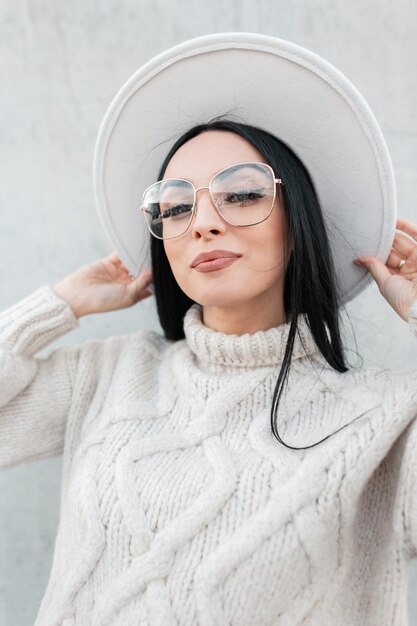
[{"x": 257, "y": 276}]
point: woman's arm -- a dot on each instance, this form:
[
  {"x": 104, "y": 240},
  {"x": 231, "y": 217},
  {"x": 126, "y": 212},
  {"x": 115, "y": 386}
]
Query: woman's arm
[
  {"x": 36, "y": 393},
  {"x": 406, "y": 384},
  {"x": 412, "y": 317},
  {"x": 410, "y": 488}
]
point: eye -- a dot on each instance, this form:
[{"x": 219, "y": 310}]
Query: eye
[
  {"x": 176, "y": 211},
  {"x": 244, "y": 196}
]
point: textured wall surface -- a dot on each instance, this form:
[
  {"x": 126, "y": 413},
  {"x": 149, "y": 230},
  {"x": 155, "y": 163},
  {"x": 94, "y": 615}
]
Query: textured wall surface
[{"x": 60, "y": 65}]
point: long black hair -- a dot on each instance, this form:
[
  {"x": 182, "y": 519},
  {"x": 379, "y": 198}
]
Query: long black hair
[{"x": 310, "y": 284}]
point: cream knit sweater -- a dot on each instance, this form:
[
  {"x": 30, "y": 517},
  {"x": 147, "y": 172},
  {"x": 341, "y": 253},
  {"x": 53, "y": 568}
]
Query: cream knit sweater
[{"x": 179, "y": 507}]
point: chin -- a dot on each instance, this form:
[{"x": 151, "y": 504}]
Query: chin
[
  {"x": 225, "y": 291},
  {"x": 222, "y": 295}
]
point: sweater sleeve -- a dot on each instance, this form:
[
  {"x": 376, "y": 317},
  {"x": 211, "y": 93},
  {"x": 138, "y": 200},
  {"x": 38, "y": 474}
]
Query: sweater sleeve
[
  {"x": 410, "y": 456},
  {"x": 410, "y": 490},
  {"x": 412, "y": 317},
  {"x": 35, "y": 392}
]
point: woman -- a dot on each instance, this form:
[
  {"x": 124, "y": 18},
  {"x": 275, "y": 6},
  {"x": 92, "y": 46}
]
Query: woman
[{"x": 179, "y": 505}]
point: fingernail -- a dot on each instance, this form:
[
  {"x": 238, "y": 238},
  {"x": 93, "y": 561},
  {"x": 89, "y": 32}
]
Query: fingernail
[{"x": 357, "y": 262}]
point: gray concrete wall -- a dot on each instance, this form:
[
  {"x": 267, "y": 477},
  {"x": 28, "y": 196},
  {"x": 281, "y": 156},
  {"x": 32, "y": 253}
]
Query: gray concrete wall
[{"x": 60, "y": 65}]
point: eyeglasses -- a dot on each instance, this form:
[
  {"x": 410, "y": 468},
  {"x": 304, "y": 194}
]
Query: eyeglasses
[{"x": 243, "y": 194}]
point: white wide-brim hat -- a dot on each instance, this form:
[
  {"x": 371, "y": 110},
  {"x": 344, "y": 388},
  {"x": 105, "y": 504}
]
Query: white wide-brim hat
[{"x": 268, "y": 82}]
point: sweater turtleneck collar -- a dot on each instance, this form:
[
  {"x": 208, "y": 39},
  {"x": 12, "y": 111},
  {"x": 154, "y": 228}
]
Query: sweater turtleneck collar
[{"x": 262, "y": 348}]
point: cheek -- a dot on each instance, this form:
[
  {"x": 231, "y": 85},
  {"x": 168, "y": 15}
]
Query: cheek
[
  {"x": 279, "y": 236},
  {"x": 269, "y": 248},
  {"x": 175, "y": 256}
]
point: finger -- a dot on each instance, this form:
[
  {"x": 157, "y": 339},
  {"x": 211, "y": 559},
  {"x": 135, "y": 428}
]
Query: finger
[
  {"x": 114, "y": 260},
  {"x": 407, "y": 226},
  {"x": 404, "y": 244},
  {"x": 377, "y": 268},
  {"x": 138, "y": 288},
  {"x": 147, "y": 276},
  {"x": 393, "y": 261},
  {"x": 141, "y": 281}
]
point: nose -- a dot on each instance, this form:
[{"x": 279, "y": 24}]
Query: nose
[{"x": 206, "y": 217}]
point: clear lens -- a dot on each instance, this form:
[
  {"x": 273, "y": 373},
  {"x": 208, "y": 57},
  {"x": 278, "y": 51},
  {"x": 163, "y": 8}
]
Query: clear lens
[
  {"x": 243, "y": 194},
  {"x": 167, "y": 207}
]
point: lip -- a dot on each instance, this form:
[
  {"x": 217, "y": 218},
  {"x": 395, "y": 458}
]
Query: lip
[
  {"x": 204, "y": 257},
  {"x": 215, "y": 264}
]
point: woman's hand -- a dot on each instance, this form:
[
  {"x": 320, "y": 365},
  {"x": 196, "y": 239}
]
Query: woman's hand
[
  {"x": 398, "y": 286},
  {"x": 101, "y": 286}
]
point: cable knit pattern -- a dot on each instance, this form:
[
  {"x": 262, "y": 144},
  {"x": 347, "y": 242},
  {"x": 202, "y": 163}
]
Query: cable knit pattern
[{"x": 180, "y": 508}]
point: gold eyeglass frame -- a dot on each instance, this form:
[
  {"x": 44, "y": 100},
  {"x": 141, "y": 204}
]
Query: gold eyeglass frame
[{"x": 195, "y": 206}]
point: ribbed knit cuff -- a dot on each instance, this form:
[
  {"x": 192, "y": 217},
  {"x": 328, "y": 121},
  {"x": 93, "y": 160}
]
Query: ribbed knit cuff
[
  {"x": 35, "y": 321},
  {"x": 412, "y": 316}
]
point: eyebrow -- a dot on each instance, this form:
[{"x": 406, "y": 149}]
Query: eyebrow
[
  {"x": 169, "y": 184},
  {"x": 171, "y": 181}
]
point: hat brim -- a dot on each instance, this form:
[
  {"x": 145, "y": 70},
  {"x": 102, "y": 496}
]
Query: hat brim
[{"x": 269, "y": 82}]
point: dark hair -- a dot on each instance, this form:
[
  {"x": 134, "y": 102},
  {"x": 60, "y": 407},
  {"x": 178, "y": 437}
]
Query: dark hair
[{"x": 310, "y": 284}]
